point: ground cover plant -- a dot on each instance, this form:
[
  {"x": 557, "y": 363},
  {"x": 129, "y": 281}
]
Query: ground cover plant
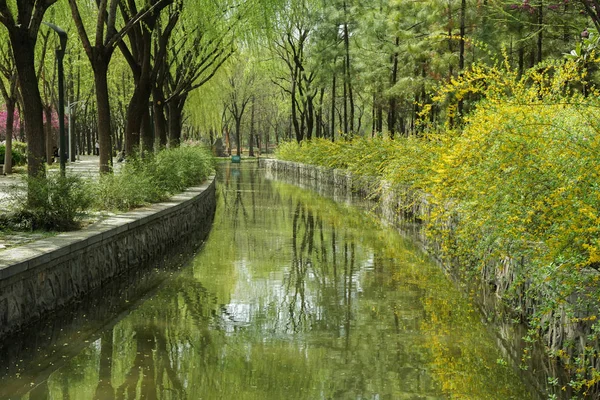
[{"x": 515, "y": 197}]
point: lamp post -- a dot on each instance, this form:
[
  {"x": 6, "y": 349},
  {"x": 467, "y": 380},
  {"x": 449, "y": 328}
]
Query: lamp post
[
  {"x": 70, "y": 111},
  {"x": 60, "y": 55}
]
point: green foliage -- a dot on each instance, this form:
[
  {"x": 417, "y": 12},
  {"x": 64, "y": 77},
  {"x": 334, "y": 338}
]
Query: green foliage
[
  {"x": 19, "y": 153},
  {"x": 128, "y": 189},
  {"x": 59, "y": 203},
  {"x": 405, "y": 161},
  {"x": 523, "y": 180},
  {"x": 52, "y": 203},
  {"x": 515, "y": 196},
  {"x": 155, "y": 178}
]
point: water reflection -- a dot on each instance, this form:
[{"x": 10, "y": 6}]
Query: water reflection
[{"x": 292, "y": 297}]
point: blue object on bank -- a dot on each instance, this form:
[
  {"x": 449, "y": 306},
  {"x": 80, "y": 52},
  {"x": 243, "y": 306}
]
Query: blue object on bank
[{"x": 236, "y": 159}]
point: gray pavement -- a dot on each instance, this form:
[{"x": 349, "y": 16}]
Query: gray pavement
[{"x": 86, "y": 166}]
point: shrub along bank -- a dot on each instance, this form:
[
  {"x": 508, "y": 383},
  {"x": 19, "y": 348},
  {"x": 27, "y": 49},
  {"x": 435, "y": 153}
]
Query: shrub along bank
[
  {"x": 515, "y": 200},
  {"x": 19, "y": 153},
  {"x": 61, "y": 203}
]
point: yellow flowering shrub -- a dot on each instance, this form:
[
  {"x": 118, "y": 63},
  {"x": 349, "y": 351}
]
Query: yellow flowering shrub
[{"x": 516, "y": 195}]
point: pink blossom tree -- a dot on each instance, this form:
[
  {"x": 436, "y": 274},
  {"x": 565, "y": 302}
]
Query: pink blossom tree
[{"x": 5, "y": 121}]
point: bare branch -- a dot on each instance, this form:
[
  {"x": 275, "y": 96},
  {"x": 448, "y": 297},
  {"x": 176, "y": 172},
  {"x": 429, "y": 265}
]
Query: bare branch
[{"x": 81, "y": 28}]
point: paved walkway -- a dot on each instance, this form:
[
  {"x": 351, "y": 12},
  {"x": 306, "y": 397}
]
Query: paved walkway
[{"x": 86, "y": 166}]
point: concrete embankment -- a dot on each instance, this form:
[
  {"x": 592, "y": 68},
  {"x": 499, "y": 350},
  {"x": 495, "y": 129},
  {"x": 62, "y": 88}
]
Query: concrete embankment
[{"x": 42, "y": 276}]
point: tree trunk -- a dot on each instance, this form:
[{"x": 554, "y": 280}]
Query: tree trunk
[
  {"x": 402, "y": 127},
  {"x": 379, "y": 118},
  {"x": 392, "y": 113},
  {"x": 24, "y": 52},
  {"x": 450, "y": 39},
  {"x": 461, "y": 44},
  {"x": 140, "y": 62},
  {"x": 266, "y": 141},
  {"x": 10, "y": 119},
  {"x": 345, "y": 102},
  {"x": 147, "y": 132},
  {"x": 374, "y": 116},
  {"x": 88, "y": 132},
  {"x": 521, "y": 66},
  {"x": 540, "y": 30},
  {"x": 297, "y": 128},
  {"x": 227, "y": 142},
  {"x": 348, "y": 73},
  {"x": 175, "y": 120},
  {"x": 103, "y": 104},
  {"x": 461, "y": 48},
  {"x": 73, "y": 151},
  {"x": 238, "y": 123},
  {"x": 319, "y": 132},
  {"x": 21, "y": 126},
  {"x": 133, "y": 126},
  {"x": 392, "y": 117},
  {"x": 160, "y": 122},
  {"x": 50, "y": 142},
  {"x": 310, "y": 117},
  {"x": 303, "y": 121},
  {"x": 333, "y": 94},
  {"x": 251, "y": 141}
]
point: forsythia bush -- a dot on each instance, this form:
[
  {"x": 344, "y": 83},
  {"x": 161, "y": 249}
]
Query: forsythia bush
[{"x": 520, "y": 181}]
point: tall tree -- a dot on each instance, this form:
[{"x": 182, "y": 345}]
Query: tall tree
[
  {"x": 241, "y": 87},
  {"x": 196, "y": 54},
  {"x": 139, "y": 57},
  {"x": 106, "y": 39},
  {"x": 22, "y": 32},
  {"x": 9, "y": 90},
  {"x": 291, "y": 45}
]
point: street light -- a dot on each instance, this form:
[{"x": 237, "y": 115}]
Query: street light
[
  {"x": 60, "y": 55},
  {"x": 70, "y": 111}
]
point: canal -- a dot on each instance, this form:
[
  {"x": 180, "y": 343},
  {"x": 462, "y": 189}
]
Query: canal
[{"x": 292, "y": 296}]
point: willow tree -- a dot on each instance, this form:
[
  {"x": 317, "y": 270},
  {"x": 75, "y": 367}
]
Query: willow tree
[
  {"x": 22, "y": 32},
  {"x": 241, "y": 79},
  {"x": 100, "y": 51},
  {"x": 207, "y": 35},
  {"x": 294, "y": 30},
  {"x": 139, "y": 57},
  {"x": 203, "y": 43}
]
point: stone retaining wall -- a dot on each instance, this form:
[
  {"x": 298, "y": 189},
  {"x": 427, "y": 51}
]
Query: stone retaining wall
[
  {"x": 42, "y": 276},
  {"x": 399, "y": 207}
]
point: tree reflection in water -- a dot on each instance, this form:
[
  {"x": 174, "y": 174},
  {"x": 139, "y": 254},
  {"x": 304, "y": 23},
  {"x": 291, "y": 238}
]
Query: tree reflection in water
[{"x": 293, "y": 297}]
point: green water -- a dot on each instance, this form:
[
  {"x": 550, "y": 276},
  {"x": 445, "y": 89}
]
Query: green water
[{"x": 293, "y": 296}]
